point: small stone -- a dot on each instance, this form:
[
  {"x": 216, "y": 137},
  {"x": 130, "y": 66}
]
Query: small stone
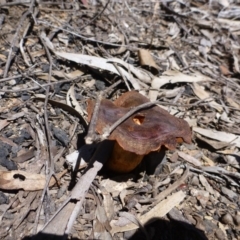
[
  {"x": 195, "y": 181},
  {"x": 236, "y": 219},
  {"x": 220, "y": 234},
  {"x": 3, "y": 198},
  {"x": 25, "y": 134},
  {"x": 12, "y": 82},
  {"x": 25, "y": 96},
  {"x": 227, "y": 219},
  {"x": 61, "y": 136},
  {"x": 8, "y": 164},
  {"x": 3, "y": 152},
  {"x": 8, "y": 133},
  {"x": 100, "y": 85},
  {"x": 31, "y": 216},
  {"x": 45, "y": 68}
]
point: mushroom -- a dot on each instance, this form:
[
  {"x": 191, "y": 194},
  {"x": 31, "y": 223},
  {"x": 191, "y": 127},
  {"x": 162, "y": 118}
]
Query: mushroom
[{"x": 145, "y": 131}]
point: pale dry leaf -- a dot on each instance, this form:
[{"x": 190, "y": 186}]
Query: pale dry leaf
[
  {"x": 202, "y": 94},
  {"x": 172, "y": 76},
  {"x": 224, "y": 3},
  {"x": 13, "y": 180},
  {"x": 16, "y": 116},
  {"x": 114, "y": 187},
  {"x": 215, "y": 144},
  {"x": 173, "y": 63},
  {"x": 10, "y": 103},
  {"x": 8, "y": 141},
  {"x": 124, "y": 193},
  {"x": 205, "y": 183},
  {"x": 3, "y": 123},
  {"x": 58, "y": 224},
  {"x": 63, "y": 38},
  {"x": 190, "y": 159},
  {"x": 236, "y": 64},
  {"x": 229, "y": 152},
  {"x": 141, "y": 74},
  {"x": 160, "y": 210},
  {"x": 208, "y": 161},
  {"x": 217, "y": 135},
  {"x": 24, "y": 156},
  {"x": 107, "y": 203},
  {"x": 228, "y": 24},
  {"x": 105, "y": 64},
  {"x": 70, "y": 75},
  {"x": 232, "y": 103},
  {"x": 146, "y": 60},
  {"x": 72, "y": 101},
  {"x": 3, "y": 57},
  {"x": 201, "y": 195},
  {"x": 45, "y": 76}
]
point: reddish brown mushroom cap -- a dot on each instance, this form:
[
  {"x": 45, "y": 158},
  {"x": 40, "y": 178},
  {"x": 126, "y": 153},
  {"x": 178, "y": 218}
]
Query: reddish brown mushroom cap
[{"x": 144, "y": 131}]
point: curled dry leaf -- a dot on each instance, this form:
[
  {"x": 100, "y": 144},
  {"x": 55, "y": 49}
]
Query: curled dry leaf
[
  {"x": 218, "y": 135},
  {"x": 171, "y": 76},
  {"x": 190, "y": 159},
  {"x": 107, "y": 64},
  {"x": 145, "y": 131},
  {"x": 202, "y": 94},
  {"x": 72, "y": 101},
  {"x": 146, "y": 60},
  {"x": 3, "y": 123}
]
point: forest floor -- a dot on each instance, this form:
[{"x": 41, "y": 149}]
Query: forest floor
[{"x": 57, "y": 56}]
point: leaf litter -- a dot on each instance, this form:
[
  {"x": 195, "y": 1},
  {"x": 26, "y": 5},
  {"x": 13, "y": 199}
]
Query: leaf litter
[{"x": 56, "y": 56}]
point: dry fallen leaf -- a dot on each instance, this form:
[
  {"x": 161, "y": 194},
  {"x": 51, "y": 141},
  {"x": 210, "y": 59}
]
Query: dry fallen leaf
[
  {"x": 171, "y": 76},
  {"x": 14, "y": 180},
  {"x": 146, "y": 60},
  {"x": 220, "y": 136},
  {"x": 3, "y": 123},
  {"x": 190, "y": 159},
  {"x": 202, "y": 94},
  {"x": 106, "y": 64},
  {"x": 72, "y": 101}
]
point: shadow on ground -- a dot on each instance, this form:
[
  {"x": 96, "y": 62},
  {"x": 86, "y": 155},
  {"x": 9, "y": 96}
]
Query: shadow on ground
[{"x": 158, "y": 229}]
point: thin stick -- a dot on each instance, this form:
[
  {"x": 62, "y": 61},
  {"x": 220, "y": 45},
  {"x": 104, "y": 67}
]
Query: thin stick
[
  {"x": 123, "y": 76},
  {"x": 91, "y": 136},
  {"x": 89, "y": 139},
  {"x": 86, "y": 38},
  {"x": 110, "y": 129},
  {"x": 40, "y": 86},
  {"x": 47, "y": 131},
  {"x": 95, "y": 17},
  {"x": 24, "y": 16}
]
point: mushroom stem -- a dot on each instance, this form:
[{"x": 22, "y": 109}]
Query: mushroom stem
[{"x": 123, "y": 161}]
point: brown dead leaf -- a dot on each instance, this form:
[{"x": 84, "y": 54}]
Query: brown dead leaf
[
  {"x": 24, "y": 156},
  {"x": 224, "y": 70},
  {"x": 146, "y": 60},
  {"x": 3, "y": 123},
  {"x": 202, "y": 94}
]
